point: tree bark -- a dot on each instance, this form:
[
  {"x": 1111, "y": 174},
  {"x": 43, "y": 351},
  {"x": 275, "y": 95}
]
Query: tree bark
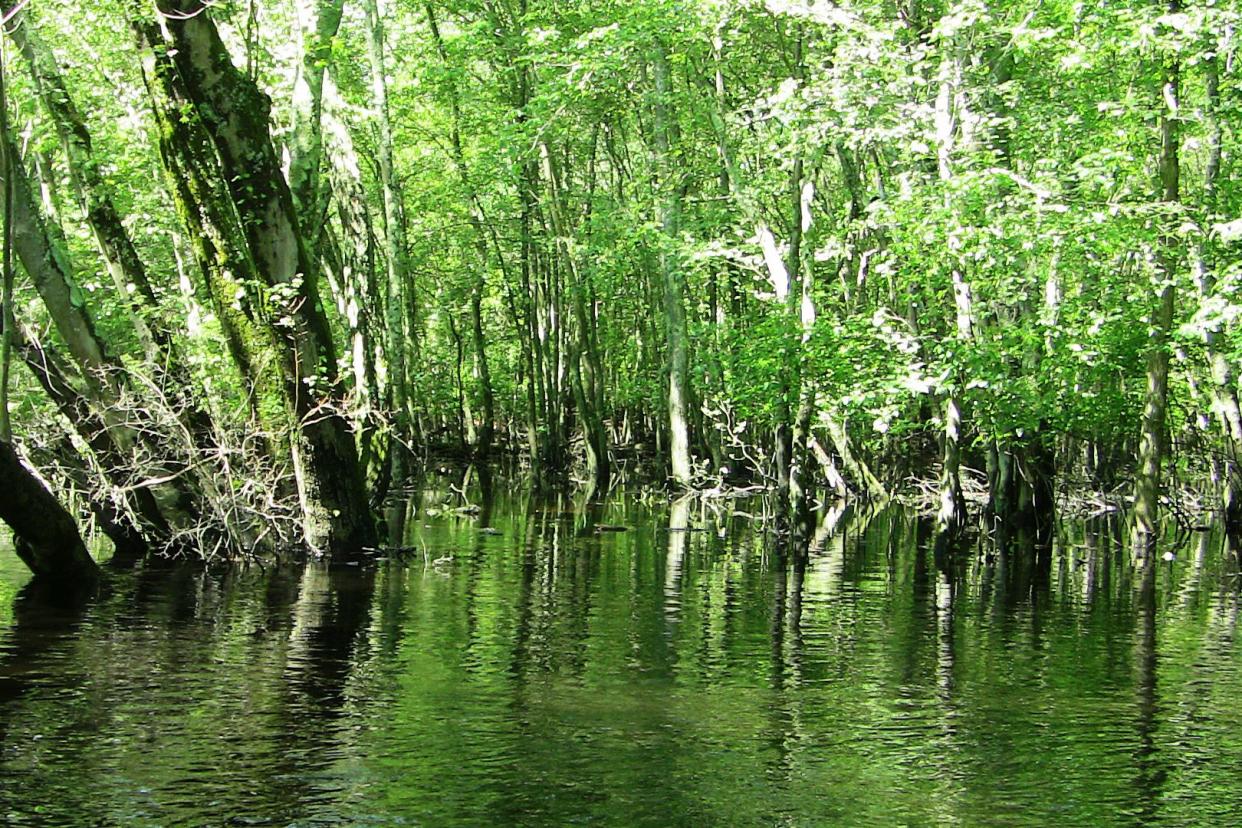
[
  {"x": 45, "y": 534},
  {"x": 94, "y": 197},
  {"x": 201, "y": 197},
  {"x": 41, "y": 247},
  {"x": 318, "y": 22},
  {"x": 952, "y": 510},
  {"x": 1147, "y": 481},
  {"x": 359, "y": 289},
  {"x": 1224, "y": 377},
  {"x": 667, "y": 139},
  {"x": 59, "y": 381},
  {"x": 399, "y": 289},
  {"x": 236, "y": 114},
  {"x": 124, "y": 264}
]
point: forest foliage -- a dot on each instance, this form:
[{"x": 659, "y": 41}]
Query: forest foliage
[{"x": 268, "y": 252}]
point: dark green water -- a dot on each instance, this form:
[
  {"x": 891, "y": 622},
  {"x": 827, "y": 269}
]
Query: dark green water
[{"x": 549, "y": 675}]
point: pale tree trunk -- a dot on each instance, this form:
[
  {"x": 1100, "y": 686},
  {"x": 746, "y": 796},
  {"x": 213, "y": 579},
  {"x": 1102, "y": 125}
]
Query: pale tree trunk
[
  {"x": 529, "y": 326},
  {"x": 92, "y": 192},
  {"x": 1147, "y": 481},
  {"x": 236, "y": 114},
  {"x": 41, "y": 248},
  {"x": 834, "y": 420},
  {"x": 854, "y": 465},
  {"x": 61, "y": 384},
  {"x": 952, "y": 508},
  {"x": 40, "y": 245},
  {"x": 46, "y": 536},
  {"x": 727, "y": 187},
  {"x": 795, "y": 403},
  {"x": 671, "y": 186},
  {"x": 399, "y": 288},
  {"x": 121, "y": 256},
  {"x": 802, "y": 390},
  {"x": 318, "y": 22},
  {"x": 1224, "y": 377},
  {"x": 356, "y": 282}
]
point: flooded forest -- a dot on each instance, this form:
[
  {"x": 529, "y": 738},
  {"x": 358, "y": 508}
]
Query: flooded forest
[{"x": 662, "y": 412}]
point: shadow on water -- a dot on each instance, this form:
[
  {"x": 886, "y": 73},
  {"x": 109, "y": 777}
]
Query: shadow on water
[
  {"x": 163, "y": 676},
  {"x": 45, "y": 617}
]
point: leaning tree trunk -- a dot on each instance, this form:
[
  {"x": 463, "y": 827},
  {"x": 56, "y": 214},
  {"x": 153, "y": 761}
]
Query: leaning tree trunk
[
  {"x": 46, "y": 536},
  {"x": 128, "y": 273},
  {"x": 117, "y": 248},
  {"x": 237, "y": 115},
  {"x": 60, "y": 382},
  {"x": 41, "y": 247},
  {"x": 201, "y": 197}
]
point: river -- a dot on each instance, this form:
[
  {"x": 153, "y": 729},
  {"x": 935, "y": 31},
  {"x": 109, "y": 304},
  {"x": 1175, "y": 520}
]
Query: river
[{"x": 519, "y": 666}]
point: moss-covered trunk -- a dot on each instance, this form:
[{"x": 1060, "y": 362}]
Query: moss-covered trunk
[{"x": 237, "y": 116}]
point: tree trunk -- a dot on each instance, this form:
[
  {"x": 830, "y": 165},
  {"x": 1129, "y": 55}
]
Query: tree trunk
[
  {"x": 92, "y": 192},
  {"x": 201, "y": 197},
  {"x": 121, "y": 256},
  {"x": 1224, "y": 378},
  {"x": 399, "y": 290},
  {"x": 854, "y": 465},
  {"x": 236, "y": 114},
  {"x": 359, "y": 290},
  {"x": 952, "y": 511},
  {"x": 1147, "y": 482},
  {"x": 318, "y": 22},
  {"x": 45, "y": 534},
  {"x": 671, "y": 184},
  {"x": 802, "y": 310},
  {"x": 41, "y": 247},
  {"x": 487, "y": 417},
  {"x": 57, "y": 378}
]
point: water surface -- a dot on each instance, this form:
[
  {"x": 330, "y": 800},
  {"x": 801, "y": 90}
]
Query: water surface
[{"x": 519, "y": 667}]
